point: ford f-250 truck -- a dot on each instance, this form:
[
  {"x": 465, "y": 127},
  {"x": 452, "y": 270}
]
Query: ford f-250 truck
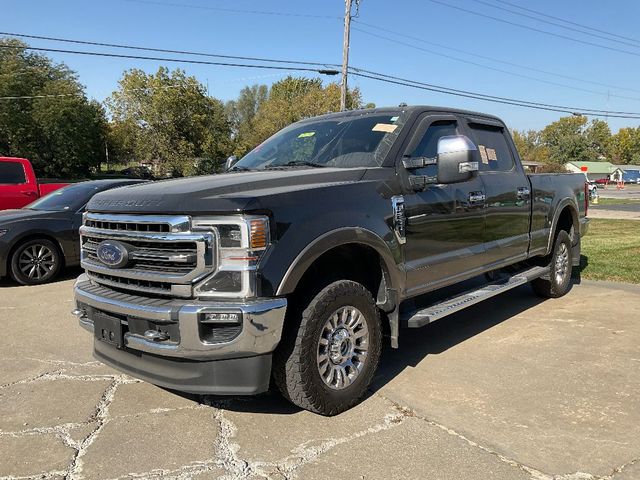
[{"x": 335, "y": 231}]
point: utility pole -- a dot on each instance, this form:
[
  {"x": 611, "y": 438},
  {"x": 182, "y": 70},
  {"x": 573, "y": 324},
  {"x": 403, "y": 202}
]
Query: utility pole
[{"x": 345, "y": 55}]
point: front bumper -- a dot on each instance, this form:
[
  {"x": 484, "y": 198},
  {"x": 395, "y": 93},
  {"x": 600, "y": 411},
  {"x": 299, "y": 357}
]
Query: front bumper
[{"x": 193, "y": 355}]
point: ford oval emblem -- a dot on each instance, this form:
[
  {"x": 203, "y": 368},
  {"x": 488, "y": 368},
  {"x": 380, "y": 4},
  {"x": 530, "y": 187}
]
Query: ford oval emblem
[{"x": 113, "y": 254}]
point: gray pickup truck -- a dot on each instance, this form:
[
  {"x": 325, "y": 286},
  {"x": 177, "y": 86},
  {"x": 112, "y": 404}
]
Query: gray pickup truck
[{"x": 332, "y": 234}]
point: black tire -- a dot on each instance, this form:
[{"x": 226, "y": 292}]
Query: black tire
[
  {"x": 559, "y": 281},
  {"x": 36, "y": 262},
  {"x": 296, "y": 369}
]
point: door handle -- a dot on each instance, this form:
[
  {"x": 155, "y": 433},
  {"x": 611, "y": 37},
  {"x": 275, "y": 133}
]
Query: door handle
[
  {"x": 477, "y": 197},
  {"x": 523, "y": 192},
  {"x": 28, "y": 193}
]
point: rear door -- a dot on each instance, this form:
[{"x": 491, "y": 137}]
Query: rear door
[
  {"x": 507, "y": 190},
  {"x": 15, "y": 189},
  {"x": 444, "y": 222}
]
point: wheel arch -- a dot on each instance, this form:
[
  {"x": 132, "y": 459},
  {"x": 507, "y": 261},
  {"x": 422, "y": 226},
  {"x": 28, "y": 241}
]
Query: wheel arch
[
  {"x": 566, "y": 218},
  {"x": 348, "y": 246}
]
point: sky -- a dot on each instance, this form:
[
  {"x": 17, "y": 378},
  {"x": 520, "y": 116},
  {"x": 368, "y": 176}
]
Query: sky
[{"x": 450, "y": 47}]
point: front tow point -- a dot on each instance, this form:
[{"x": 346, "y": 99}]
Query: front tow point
[{"x": 156, "y": 335}]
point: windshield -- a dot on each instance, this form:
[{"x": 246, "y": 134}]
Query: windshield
[
  {"x": 72, "y": 197},
  {"x": 345, "y": 142}
]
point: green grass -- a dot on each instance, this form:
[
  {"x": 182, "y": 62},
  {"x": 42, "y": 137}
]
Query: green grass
[
  {"x": 612, "y": 251},
  {"x": 617, "y": 201}
]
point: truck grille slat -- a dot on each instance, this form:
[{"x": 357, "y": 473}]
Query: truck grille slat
[
  {"x": 165, "y": 257},
  {"x": 130, "y": 227}
]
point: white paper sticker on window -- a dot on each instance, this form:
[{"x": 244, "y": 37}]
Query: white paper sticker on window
[{"x": 483, "y": 154}]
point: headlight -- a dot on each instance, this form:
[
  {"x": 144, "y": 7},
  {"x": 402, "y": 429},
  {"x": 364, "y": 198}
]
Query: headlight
[
  {"x": 241, "y": 241},
  {"x": 3, "y": 231}
]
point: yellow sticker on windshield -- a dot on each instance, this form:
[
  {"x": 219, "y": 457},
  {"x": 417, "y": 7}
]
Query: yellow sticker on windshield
[
  {"x": 306, "y": 134},
  {"x": 384, "y": 127}
]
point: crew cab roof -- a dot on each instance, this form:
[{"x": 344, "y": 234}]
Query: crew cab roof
[{"x": 408, "y": 108}]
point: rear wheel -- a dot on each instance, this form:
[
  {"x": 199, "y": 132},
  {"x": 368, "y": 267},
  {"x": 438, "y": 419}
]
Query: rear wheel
[
  {"x": 561, "y": 263},
  {"x": 35, "y": 262},
  {"x": 328, "y": 363}
]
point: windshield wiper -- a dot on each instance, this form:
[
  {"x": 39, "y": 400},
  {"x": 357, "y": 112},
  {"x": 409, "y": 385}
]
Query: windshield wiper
[
  {"x": 295, "y": 163},
  {"x": 241, "y": 168}
]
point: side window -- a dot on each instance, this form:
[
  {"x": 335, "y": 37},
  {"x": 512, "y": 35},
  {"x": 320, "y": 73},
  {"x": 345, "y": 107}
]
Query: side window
[
  {"x": 428, "y": 146},
  {"x": 495, "y": 154},
  {"x": 11, "y": 173}
]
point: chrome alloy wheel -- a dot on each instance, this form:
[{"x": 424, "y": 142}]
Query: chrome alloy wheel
[
  {"x": 36, "y": 261},
  {"x": 343, "y": 347},
  {"x": 562, "y": 263}
]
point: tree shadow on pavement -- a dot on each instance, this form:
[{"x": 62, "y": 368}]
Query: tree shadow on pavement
[
  {"x": 415, "y": 346},
  {"x": 437, "y": 337}
]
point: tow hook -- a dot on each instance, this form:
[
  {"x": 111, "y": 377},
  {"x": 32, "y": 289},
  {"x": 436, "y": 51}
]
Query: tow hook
[{"x": 156, "y": 335}]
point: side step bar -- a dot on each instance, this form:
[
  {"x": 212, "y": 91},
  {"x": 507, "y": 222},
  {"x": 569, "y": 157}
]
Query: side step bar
[{"x": 437, "y": 311}]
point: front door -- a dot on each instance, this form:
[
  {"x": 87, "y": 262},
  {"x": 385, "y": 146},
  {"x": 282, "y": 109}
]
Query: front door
[{"x": 444, "y": 222}]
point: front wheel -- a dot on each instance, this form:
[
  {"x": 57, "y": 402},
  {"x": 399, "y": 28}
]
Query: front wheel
[
  {"x": 559, "y": 279},
  {"x": 35, "y": 262},
  {"x": 328, "y": 363}
]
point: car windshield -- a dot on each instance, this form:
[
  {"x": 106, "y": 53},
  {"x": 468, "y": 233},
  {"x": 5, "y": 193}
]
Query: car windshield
[
  {"x": 345, "y": 142},
  {"x": 72, "y": 197}
]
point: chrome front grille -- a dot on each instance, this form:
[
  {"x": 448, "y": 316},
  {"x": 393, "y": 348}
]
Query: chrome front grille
[{"x": 165, "y": 256}]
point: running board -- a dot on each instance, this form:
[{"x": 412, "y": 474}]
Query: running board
[{"x": 437, "y": 311}]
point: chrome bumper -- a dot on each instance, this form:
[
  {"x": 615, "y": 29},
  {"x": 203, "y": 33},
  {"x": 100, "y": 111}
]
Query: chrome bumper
[{"x": 262, "y": 321}]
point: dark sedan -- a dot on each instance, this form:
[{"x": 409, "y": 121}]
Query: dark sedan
[{"x": 37, "y": 241}]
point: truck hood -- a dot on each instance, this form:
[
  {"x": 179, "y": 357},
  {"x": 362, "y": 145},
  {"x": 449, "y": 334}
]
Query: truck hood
[{"x": 229, "y": 192}]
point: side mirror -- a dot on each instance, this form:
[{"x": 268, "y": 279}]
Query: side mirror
[
  {"x": 231, "y": 161},
  {"x": 455, "y": 159}
]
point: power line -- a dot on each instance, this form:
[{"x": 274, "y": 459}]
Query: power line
[
  {"x": 174, "y": 60},
  {"x": 534, "y": 29},
  {"x": 470, "y": 62},
  {"x": 491, "y": 98},
  {"x": 497, "y": 60},
  {"x": 235, "y": 10},
  {"x": 271, "y": 60},
  {"x": 556, "y": 24},
  {"x": 568, "y": 21},
  {"x": 362, "y": 73},
  {"x": 163, "y": 50}
]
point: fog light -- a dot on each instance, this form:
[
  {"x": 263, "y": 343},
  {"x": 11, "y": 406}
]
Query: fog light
[{"x": 221, "y": 317}]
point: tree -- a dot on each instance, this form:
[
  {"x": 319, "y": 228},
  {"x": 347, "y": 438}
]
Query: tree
[
  {"x": 241, "y": 113},
  {"x": 625, "y": 146},
  {"x": 598, "y": 136},
  {"x": 574, "y": 139},
  {"x": 169, "y": 118},
  {"x": 292, "y": 99},
  {"x": 61, "y": 132},
  {"x": 530, "y": 147}
]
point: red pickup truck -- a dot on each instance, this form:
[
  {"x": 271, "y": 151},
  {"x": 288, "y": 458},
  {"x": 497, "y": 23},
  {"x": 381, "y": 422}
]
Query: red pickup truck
[{"x": 19, "y": 185}]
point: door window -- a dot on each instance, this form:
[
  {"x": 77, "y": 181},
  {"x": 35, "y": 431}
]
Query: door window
[
  {"x": 495, "y": 154},
  {"x": 11, "y": 173},
  {"x": 428, "y": 146}
]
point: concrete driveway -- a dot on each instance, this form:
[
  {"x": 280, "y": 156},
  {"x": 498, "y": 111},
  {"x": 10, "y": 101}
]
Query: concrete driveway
[{"x": 515, "y": 388}]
